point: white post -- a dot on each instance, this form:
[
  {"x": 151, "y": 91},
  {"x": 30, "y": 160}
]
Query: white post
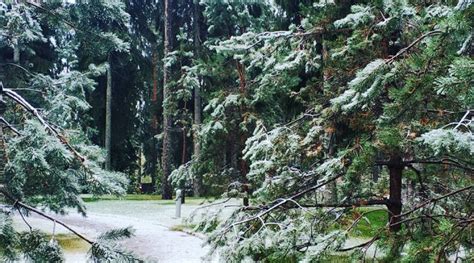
[{"x": 178, "y": 203}]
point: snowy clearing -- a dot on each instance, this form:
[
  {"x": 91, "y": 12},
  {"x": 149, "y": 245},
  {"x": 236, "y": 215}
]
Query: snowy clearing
[{"x": 152, "y": 220}]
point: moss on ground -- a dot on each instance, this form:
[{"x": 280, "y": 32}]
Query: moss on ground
[
  {"x": 72, "y": 243},
  {"x": 138, "y": 197}
]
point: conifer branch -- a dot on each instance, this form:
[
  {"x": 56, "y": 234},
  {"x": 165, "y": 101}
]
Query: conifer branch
[
  {"x": 17, "y": 203},
  {"x": 280, "y": 202},
  {"x": 28, "y": 107},
  {"x": 406, "y": 49}
]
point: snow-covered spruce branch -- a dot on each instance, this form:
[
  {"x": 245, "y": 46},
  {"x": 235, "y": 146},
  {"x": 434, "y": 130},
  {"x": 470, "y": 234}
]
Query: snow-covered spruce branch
[
  {"x": 433, "y": 200},
  {"x": 442, "y": 161},
  {"x": 464, "y": 122},
  {"x": 61, "y": 18},
  {"x": 357, "y": 203},
  {"x": 461, "y": 122},
  {"x": 50, "y": 129},
  {"x": 280, "y": 202},
  {"x": 100, "y": 250},
  {"x": 284, "y": 34},
  {"x": 17, "y": 203},
  {"x": 407, "y": 48},
  {"x": 273, "y": 35},
  {"x": 28, "y": 107}
]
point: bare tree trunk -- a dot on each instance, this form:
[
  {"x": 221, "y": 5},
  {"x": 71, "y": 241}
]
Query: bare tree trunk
[
  {"x": 3, "y": 152},
  {"x": 154, "y": 98},
  {"x": 395, "y": 168},
  {"x": 2, "y": 155},
  {"x": 108, "y": 116},
  {"x": 183, "y": 162},
  {"x": 16, "y": 51},
  {"x": 3, "y": 162},
  {"x": 140, "y": 167},
  {"x": 155, "y": 114},
  {"x": 197, "y": 183},
  {"x": 166, "y": 158}
]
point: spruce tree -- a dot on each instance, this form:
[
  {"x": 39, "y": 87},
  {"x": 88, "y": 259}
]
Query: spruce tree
[{"x": 51, "y": 159}]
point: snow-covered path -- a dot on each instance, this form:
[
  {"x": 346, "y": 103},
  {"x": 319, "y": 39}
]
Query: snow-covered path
[{"x": 153, "y": 240}]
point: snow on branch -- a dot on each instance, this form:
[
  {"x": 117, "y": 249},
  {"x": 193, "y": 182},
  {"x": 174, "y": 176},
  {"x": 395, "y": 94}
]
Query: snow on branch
[{"x": 28, "y": 107}]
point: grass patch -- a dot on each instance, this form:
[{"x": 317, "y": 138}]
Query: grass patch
[
  {"x": 130, "y": 197},
  {"x": 371, "y": 222},
  {"x": 182, "y": 227},
  {"x": 137, "y": 197},
  {"x": 72, "y": 243}
]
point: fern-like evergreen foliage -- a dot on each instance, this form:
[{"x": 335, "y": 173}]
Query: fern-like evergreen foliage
[{"x": 51, "y": 160}]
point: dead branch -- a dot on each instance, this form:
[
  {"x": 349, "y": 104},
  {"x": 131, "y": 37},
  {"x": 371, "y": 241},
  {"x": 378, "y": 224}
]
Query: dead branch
[{"x": 9, "y": 126}]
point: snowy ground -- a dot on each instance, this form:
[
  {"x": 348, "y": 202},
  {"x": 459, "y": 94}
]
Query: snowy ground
[
  {"x": 152, "y": 220},
  {"x": 154, "y": 240}
]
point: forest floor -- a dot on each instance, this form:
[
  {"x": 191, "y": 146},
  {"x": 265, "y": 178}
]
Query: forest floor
[{"x": 153, "y": 221}]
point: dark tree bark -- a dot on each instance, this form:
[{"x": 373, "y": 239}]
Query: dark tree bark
[
  {"x": 166, "y": 158},
  {"x": 197, "y": 183},
  {"x": 395, "y": 167},
  {"x": 332, "y": 187},
  {"x": 243, "y": 166},
  {"x": 3, "y": 157},
  {"x": 156, "y": 112}
]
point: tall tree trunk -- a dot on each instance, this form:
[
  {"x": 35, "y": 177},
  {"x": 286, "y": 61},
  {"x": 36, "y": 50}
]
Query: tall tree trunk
[
  {"x": 243, "y": 166},
  {"x": 155, "y": 114},
  {"x": 108, "y": 115},
  {"x": 154, "y": 98},
  {"x": 3, "y": 153},
  {"x": 2, "y": 148},
  {"x": 140, "y": 167},
  {"x": 166, "y": 158},
  {"x": 197, "y": 183},
  {"x": 332, "y": 186},
  {"x": 331, "y": 194},
  {"x": 183, "y": 162},
  {"x": 395, "y": 168},
  {"x": 16, "y": 51}
]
